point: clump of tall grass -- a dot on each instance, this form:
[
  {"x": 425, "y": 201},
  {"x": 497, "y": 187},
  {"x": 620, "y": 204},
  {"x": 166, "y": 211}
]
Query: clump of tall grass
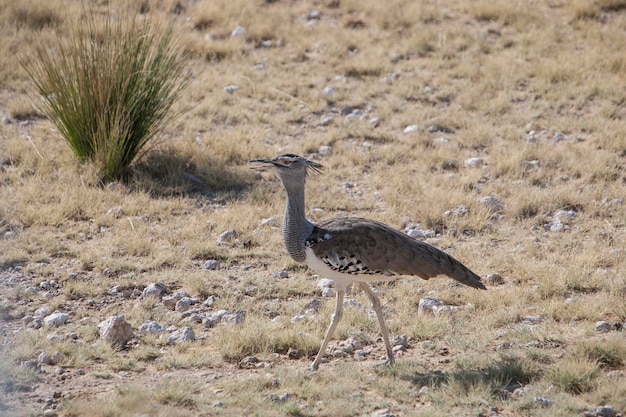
[{"x": 109, "y": 86}]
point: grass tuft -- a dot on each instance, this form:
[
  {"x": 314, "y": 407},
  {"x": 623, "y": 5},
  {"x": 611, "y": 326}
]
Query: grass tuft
[{"x": 109, "y": 87}]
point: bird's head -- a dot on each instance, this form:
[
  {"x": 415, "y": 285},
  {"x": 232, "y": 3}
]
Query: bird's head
[{"x": 288, "y": 168}]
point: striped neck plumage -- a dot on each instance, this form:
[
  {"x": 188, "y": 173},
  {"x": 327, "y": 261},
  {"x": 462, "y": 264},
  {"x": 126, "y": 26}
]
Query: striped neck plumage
[{"x": 296, "y": 227}]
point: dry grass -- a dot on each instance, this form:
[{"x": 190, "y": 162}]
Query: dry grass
[{"x": 475, "y": 77}]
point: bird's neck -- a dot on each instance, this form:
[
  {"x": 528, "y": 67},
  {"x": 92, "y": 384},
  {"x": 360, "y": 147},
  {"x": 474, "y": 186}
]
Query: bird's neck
[{"x": 296, "y": 227}]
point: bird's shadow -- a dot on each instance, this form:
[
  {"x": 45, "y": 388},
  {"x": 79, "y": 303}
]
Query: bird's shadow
[{"x": 502, "y": 375}]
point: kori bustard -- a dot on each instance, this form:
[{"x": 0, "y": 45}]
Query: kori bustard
[{"x": 353, "y": 249}]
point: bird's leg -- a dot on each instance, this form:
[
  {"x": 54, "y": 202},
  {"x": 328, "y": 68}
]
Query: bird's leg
[
  {"x": 333, "y": 324},
  {"x": 381, "y": 320}
]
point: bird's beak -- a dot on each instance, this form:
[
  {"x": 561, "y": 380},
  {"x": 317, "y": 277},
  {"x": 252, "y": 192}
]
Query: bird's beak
[{"x": 264, "y": 164}]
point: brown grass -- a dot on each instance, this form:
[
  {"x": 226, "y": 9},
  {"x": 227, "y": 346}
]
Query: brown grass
[{"x": 475, "y": 77}]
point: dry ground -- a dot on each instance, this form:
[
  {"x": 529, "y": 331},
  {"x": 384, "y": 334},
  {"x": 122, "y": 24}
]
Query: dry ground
[{"x": 475, "y": 77}]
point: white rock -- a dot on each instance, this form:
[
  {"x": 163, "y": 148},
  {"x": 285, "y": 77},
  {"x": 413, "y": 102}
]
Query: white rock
[
  {"x": 227, "y": 236},
  {"x": 56, "y": 319},
  {"x": 151, "y": 327},
  {"x": 458, "y": 211},
  {"x": 186, "y": 334},
  {"x": 328, "y": 292},
  {"x": 416, "y": 234},
  {"x": 533, "y": 165},
  {"x": 231, "y": 88},
  {"x": 238, "y": 32},
  {"x": 325, "y": 150},
  {"x": 328, "y": 90},
  {"x": 313, "y": 15},
  {"x": 494, "y": 279},
  {"x": 271, "y": 222},
  {"x": 325, "y": 283},
  {"x": 115, "y": 330},
  {"x": 211, "y": 265},
  {"x": 43, "y": 312},
  {"x": 237, "y": 318},
  {"x": 474, "y": 162},
  {"x": 603, "y": 327},
  {"x": 411, "y": 129},
  {"x": 427, "y": 305},
  {"x": 327, "y": 120},
  {"x": 183, "y": 304},
  {"x": 155, "y": 290}
]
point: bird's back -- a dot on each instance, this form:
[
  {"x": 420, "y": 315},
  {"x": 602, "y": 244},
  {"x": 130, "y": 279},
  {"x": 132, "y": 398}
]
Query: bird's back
[{"x": 358, "y": 246}]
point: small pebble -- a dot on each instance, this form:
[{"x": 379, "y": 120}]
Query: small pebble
[{"x": 410, "y": 129}]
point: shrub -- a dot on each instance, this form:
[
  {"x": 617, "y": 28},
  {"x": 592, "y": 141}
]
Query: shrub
[{"x": 109, "y": 87}]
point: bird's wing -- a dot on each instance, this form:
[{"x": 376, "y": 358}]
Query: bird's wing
[{"x": 361, "y": 246}]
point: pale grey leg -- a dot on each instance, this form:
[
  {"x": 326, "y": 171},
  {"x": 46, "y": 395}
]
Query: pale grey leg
[
  {"x": 333, "y": 324},
  {"x": 381, "y": 320}
]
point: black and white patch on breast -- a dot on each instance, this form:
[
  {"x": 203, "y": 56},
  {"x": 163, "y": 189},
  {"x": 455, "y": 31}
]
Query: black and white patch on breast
[{"x": 347, "y": 264}]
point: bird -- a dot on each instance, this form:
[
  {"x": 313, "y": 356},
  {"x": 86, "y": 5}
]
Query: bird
[{"x": 353, "y": 249}]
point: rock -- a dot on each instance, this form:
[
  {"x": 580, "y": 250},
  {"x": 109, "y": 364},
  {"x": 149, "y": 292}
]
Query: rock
[
  {"x": 328, "y": 292},
  {"x": 249, "y": 360},
  {"x": 603, "y": 326},
  {"x": 155, "y": 290},
  {"x": 565, "y": 216},
  {"x": 544, "y": 402},
  {"x": 116, "y": 212},
  {"x": 231, "y": 88},
  {"x": 474, "y": 162},
  {"x": 271, "y": 222},
  {"x": 227, "y": 236},
  {"x": 401, "y": 340},
  {"x": 115, "y": 330},
  {"x": 427, "y": 305},
  {"x": 299, "y": 318},
  {"x": 56, "y": 319},
  {"x": 32, "y": 365},
  {"x": 458, "y": 211},
  {"x": 313, "y": 15},
  {"x": 385, "y": 412},
  {"x": 492, "y": 203},
  {"x": 183, "y": 304},
  {"x": 313, "y": 305},
  {"x": 170, "y": 302},
  {"x": 238, "y": 32},
  {"x": 555, "y": 226},
  {"x": 374, "y": 121},
  {"x": 293, "y": 353},
  {"x": 43, "y": 312},
  {"x": 603, "y": 411},
  {"x": 49, "y": 413},
  {"x": 327, "y": 120},
  {"x": 282, "y": 274},
  {"x": 186, "y": 334},
  {"x": 44, "y": 358},
  {"x": 410, "y": 129},
  {"x": 211, "y": 265},
  {"x": 325, "y": 150},
  {"x": 325, "y": 283},
  {"x": 209, "y": 301},
  {"x": 532, "y": 165},
  {"x": 533, "y": 319},
  {"x": 494, "y": 279},
  {"x": 279, "y": 398},
  {"x": 151, "y": 327},
  {"x": 328, "y": 90},
  {"x": 236, "y": 318}
]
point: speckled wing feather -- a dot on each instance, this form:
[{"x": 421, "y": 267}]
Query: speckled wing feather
[{"x": 360, "y": 246}]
